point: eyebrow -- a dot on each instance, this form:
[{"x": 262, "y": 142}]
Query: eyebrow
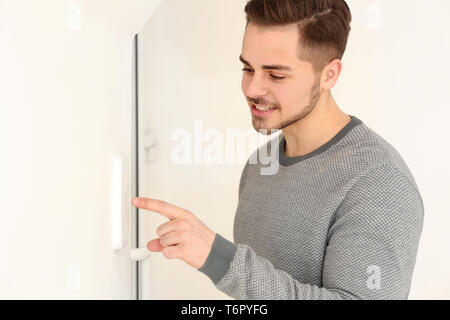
[{"x": 265, "y": 67}]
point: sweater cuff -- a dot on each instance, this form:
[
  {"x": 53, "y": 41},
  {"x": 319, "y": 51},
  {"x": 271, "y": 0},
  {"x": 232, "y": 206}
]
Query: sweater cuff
[{"x": 219, "y": 258}]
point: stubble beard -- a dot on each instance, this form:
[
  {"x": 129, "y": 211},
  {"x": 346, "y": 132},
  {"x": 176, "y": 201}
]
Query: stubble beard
[{"x": 313, "y": 100}]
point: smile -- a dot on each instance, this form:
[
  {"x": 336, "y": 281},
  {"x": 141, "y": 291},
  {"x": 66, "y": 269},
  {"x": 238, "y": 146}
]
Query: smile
[{"x": 261, "y": 110}]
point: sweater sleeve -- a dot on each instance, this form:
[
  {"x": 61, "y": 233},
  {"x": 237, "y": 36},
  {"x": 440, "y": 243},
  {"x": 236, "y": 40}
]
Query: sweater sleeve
[{"x": 370, "y": 253}]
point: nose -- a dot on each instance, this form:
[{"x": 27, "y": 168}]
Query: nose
[{"x": 255, "y": 87}]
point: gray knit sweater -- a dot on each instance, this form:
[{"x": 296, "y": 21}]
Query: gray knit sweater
[{"x": 342, "y": 222}]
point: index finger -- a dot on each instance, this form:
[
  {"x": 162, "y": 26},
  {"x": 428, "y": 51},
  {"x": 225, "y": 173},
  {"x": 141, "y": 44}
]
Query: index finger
[{"x": 168, "y": 210}]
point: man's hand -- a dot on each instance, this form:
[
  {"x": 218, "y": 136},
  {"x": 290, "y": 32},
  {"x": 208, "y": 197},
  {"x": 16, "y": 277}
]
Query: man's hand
[{"x": 184, "y": 237}]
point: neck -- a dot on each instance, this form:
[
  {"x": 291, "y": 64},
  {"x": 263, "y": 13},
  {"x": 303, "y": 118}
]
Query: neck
[{"x": 316, "y": 129}]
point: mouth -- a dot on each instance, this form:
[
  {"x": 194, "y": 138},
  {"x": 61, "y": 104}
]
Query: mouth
[{"x": 259, "y": 110}]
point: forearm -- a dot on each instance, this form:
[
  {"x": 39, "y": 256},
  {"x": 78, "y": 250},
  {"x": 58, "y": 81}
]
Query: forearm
[{"x": 236, "y": 270}]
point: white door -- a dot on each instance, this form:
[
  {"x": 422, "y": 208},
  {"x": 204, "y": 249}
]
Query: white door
[{"x": 189, "y": 85}]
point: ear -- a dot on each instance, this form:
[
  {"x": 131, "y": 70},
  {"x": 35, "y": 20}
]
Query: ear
[{"x": 330, "y": 74}]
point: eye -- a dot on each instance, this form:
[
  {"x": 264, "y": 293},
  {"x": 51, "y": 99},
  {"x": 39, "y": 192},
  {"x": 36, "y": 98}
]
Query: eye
[
  {"x": 277, "y": 78},
  {"x": 273, "y": 77}
]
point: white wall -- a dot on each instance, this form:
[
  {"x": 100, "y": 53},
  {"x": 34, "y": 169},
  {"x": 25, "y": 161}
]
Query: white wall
[{"x": 394, "y": 79}]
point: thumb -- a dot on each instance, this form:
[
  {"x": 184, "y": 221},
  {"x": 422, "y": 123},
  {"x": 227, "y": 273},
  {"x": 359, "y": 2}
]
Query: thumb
[{"x": 154, "y": 245}]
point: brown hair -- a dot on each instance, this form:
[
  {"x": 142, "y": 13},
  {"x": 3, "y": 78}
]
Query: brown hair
[{"x": 324, "y": 25}]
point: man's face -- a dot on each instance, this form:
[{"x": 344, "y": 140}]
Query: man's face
[{"x": 292, "y": 91}]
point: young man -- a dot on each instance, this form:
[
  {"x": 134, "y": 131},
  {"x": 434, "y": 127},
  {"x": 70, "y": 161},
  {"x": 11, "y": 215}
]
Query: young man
[{"x": 342, "y": 216}]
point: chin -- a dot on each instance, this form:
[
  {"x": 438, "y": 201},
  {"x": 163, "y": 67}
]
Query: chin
[{"x": 265, "y": 131}]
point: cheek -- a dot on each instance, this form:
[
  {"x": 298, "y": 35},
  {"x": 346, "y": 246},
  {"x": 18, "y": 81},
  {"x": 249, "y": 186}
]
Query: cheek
[
  {"x": 282, "y": 94},
  {"x": 244, "y": 84},
  {"x": 290, "y": 97}
]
